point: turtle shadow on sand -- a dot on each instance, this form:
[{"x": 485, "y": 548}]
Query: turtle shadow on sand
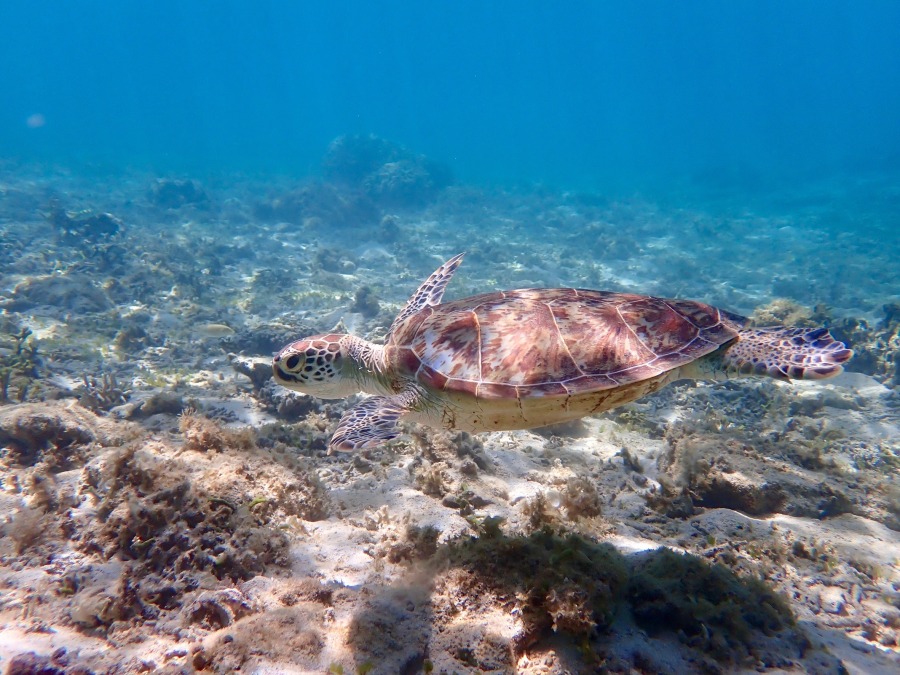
[{"x": 485, "y": 603}]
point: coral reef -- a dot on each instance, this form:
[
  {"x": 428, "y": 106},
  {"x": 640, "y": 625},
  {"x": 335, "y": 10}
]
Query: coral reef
[
  {"x": 263, "y": 340},
  {"x": 19, "y": 363},
  {"x": 365, "y": 301},
  {"x": 146, "y": 534},
  {"x": 319, "y": 205},
  {"x": 101, "y": 394},
  {"x": 720, "y": 470},
  {"x": 173, "y": 530},
  {"x": 876, "y": 348},
  {"x": 70, "y": 292},
  {"x": 785, "y": 312},
  {"x": 166, "y": 508},
  {"x": 54, "y": 436},
  {"x": 388, "y": 173},
  {"x": 173, "y": 194},
  {"x": 84, "y": 226}
]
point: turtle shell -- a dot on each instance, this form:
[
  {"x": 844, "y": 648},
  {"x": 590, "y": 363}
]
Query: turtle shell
[{"x": 554, "y": 342}]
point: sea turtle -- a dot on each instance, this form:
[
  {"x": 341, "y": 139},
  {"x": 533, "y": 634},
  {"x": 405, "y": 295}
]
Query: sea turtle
[{"x": 529, "y": 358}]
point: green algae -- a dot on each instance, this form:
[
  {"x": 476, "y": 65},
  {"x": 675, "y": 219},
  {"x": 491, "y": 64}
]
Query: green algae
[
  {"x": 570, "y": 584},
  {"x": 711, "y": 607}
]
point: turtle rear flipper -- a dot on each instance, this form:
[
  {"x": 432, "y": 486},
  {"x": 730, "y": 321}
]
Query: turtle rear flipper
[{"x": 786, "y": 353}]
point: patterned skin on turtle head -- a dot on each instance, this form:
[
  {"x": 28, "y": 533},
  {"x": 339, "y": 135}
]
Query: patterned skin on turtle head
[{"x": 314, "y": 366}]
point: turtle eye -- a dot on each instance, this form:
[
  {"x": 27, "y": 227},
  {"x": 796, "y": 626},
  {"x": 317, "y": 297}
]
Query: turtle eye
[{"x": 292, "y": 361}]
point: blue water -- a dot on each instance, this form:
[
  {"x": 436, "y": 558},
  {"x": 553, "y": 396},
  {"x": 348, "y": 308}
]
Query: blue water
[{"x": 574, "y": 94}]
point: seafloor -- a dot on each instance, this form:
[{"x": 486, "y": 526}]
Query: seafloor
[{"x": 166, "y": 508}]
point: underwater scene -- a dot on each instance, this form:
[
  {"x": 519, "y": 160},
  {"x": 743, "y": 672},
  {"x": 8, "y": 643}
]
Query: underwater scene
[{"x": 477, "y": 337}]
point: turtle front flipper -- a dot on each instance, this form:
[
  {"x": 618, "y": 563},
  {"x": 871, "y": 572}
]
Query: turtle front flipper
[
  {"x": 786, "y": 353},
  {"x": 430, "y": 292},
  {"x": 369, "y": 423}
]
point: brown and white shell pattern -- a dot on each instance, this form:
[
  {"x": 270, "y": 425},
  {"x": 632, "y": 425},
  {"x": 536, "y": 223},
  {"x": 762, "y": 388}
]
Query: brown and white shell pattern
[{"x": 553, "y": 342}]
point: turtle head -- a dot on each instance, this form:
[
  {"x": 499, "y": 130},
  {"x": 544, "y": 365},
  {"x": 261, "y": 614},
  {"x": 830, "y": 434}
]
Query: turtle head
[{"x": 319, "y": 365}]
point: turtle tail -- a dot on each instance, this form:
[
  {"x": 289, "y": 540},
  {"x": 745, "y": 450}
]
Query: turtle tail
[{"x": 786, "y": 353}]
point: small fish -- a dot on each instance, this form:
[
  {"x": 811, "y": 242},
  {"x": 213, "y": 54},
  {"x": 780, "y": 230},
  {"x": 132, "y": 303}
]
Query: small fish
[{"x": 213, "y": 330}]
